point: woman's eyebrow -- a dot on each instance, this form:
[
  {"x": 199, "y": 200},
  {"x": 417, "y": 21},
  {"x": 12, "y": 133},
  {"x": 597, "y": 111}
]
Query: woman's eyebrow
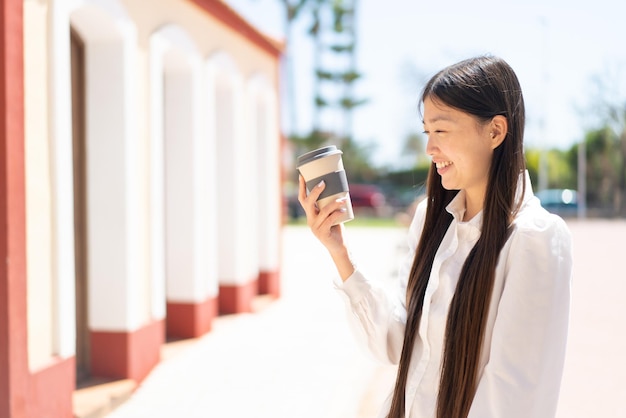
[{"x": 439, "y": 118}]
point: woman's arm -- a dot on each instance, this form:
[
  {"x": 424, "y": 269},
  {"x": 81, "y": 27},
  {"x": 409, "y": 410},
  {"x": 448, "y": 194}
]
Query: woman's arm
[
  {"x": 321, "y": 224},
  {"x": 378, "y": 314}
]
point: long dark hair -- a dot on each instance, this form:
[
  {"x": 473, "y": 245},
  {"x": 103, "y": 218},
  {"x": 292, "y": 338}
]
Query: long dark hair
[{"x": 483, "y": 87}]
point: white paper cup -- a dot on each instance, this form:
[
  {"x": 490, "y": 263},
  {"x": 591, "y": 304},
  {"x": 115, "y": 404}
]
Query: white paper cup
[{"x": 325, "y": 164}]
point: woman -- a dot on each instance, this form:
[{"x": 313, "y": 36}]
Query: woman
[{"x": 480, "y": 327}]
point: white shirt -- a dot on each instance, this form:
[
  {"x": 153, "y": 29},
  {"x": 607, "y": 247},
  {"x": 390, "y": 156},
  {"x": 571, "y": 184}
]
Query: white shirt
[{"x": 526, "y": 333}]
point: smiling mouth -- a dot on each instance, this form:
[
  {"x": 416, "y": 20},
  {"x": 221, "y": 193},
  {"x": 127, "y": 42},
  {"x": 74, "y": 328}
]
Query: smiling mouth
[{"x": 443, "y": 164}]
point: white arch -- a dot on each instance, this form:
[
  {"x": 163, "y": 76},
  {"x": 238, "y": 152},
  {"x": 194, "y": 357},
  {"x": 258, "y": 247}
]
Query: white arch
[
  {"x": 236, "y": 164},
  {"x": 99, "y": 20},
  {"x": 116, "y": 268},
  {"x": 95, "y": 24},
  {"x": 264, "y": 132},
  {"x": 189, "y": 219},
  {"x": 48, "y": 334},
  {"x": 221, "y": 61}
]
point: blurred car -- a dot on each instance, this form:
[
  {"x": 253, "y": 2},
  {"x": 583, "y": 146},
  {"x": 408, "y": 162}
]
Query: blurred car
[
  {"x": 368, "y": 200},
  {"x": 563, "y": 202},
  {"x": 294, "y": 208}
]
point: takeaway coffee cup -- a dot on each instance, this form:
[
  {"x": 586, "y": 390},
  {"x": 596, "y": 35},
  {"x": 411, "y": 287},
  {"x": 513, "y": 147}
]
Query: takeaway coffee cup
[{"x": 326, "y": 164}]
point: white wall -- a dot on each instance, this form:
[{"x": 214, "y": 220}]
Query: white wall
[
  {"x": 118, "y": 288},
  {"x": 187, "y": 184},
  {"x": 236, "y": 174},
  {"x": 61, "y": 160},
  {"x": 127, "y": 272},
  {"x": 39, "y": 223},
  {"x": 262, "y": 105}
]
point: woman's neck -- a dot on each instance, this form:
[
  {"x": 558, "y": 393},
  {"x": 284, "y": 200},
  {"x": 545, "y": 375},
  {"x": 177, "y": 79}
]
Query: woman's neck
[{"x": 474, "y": 202}]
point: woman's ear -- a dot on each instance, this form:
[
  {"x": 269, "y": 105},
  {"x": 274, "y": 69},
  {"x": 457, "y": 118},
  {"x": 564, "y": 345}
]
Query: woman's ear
[{"x": 498, "y": 130}]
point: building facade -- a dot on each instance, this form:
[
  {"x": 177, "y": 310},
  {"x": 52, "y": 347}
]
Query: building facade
[{"x": 141, "y": 185}]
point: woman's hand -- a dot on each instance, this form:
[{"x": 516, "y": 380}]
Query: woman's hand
[{"x": 321, "y": 223}]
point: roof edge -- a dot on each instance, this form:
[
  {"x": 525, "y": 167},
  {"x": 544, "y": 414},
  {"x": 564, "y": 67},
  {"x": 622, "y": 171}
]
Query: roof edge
[{"x": 227, "y": 15}]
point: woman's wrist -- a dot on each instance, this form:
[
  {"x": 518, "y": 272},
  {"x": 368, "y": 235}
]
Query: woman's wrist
[{"x": 344, "y": 262}]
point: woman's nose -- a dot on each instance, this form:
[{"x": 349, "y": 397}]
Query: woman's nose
[{"x": 430, "y": 146}]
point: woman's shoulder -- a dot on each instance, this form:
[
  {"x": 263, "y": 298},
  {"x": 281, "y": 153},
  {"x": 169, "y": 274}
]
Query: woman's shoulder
[
  {"x": 534, "y": 220},
  {"x": 540, "y": 242}
]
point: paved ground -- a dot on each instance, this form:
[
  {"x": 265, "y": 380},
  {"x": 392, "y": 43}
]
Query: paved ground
[
  {"x": 594, "y": 383},
  {"x": 296, "y": 357}
]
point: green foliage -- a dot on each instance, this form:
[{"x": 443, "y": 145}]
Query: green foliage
[
  {"x": 605, "y": 174},
  {"x": 413, "y": 178},
  {"x": 320, "y": 102},
  {"x": 324, "y": 75},
  {"x": 349, "y": 103},
  {"x": 349, "y": 76},
  {"x": 414, "y": 147},
  {"x": 334, "y": 32},
  {"x": 293, "y": 9},
  {"x": 532, "y": 164},
  {"x": 605, "y": 168},
  {"x": 357, "y": 161},
  {"x": 344, "y": 77},
  {"x": 340, "y": 13},
  {"x": 342, "y": 48},
  {"x": 561, "y": 173},
  {"x": 357, "y": 156},
  {"x": 314, "y": 140},
  {"x": 316, "y": 25}
]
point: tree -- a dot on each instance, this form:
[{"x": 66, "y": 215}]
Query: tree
[
  {"x": 604, "y": 174},
  {"x": 561, "y": 171},
  {"x": 359, "y": 167},
  {"x": 333, "y": 32},
  {"x": 606, "y": 142},
  {"x": 335, "y": 36},
  {"x": 292, "y": 10}
]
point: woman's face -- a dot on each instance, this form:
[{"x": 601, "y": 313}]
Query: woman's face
[{"x": 460, "y": 146}]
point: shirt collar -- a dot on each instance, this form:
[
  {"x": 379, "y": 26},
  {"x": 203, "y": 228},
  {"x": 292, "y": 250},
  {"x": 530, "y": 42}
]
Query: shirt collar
[{"x": 456, "y": 207}]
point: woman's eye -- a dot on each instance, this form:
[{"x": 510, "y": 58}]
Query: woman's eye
[{"x": 436, "y": 131}]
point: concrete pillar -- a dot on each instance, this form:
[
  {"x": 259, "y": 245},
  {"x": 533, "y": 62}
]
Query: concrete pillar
[
  {"x": 237, "y": 183},
  {"x": 191, "y": 255},
  {"x": 125, "y": 340},
  {"x": 262, "y": 105}
]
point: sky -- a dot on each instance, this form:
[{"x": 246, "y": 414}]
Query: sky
[{"x": 556, "y": 47}]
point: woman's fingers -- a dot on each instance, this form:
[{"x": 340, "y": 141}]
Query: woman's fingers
[
  {"x": 308, "y": 201},
  {"x": 326, "y": 218},
  {"x": 317, "y": 217},
  {"x": 322, "y": 221},
  {"x": 332, "y": 211},
  {"x": 301, "y": 190},
  {"x": 311, "y": 198}
]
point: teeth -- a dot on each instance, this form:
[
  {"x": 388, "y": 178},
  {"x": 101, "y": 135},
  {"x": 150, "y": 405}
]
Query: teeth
[{"x": 443, "y": 164}]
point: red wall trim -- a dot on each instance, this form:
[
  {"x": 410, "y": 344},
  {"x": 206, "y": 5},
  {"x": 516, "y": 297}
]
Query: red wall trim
[
  {"x": 51, "y": 390},
  {"x": 13, "y": 343},
  {"x": 127, "y": 355},
  {"x": 237, "y": 298},
  {"x": 221, "y": 11},
  {"x": 269, "y": 283},
  {"x": 190, "y": 320}
]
